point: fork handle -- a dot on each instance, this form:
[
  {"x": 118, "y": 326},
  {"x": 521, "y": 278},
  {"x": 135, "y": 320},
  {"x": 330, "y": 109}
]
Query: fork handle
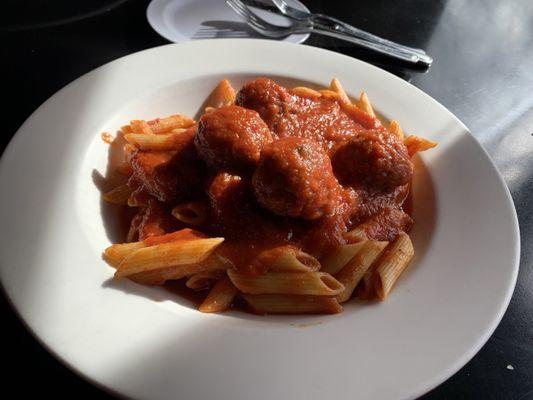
[
  {"x": 401, "y": 54},
  {"x": 342, "y": 27}
]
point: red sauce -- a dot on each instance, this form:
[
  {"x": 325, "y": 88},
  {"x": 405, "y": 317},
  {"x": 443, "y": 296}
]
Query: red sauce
[{"x": 279, "y": 168}]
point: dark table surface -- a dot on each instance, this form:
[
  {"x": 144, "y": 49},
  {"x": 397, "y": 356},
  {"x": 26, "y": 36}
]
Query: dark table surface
[{"x": 483, "y": 73}]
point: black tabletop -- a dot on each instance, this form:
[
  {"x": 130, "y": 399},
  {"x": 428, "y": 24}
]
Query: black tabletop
[{"x": 483, "y": 73}]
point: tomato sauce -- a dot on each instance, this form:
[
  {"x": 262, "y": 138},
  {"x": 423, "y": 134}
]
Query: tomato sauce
[{"x": 279, "y": 168}]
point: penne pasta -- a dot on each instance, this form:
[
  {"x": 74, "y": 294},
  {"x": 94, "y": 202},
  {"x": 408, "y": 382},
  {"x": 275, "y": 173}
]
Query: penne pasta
[
  {"x": 392, "y": 264},
  {"x": 339, "y": 257},
  {"x": 194, "y": 213},
  {"x": 202, "y": 280},
  {"x": 396, "y": 129},
  {"x": 364, "y": 104},
  {"x": 306, "y": 92},
  {"x": 415, "y": 144},
  {"x": 133, "y": 232},
  {"x": 141, "y": 127},
  {"x": 172, "y": 254},
  {"x": 365, "y": 289},
  {"x": 354, "y": 270},
  {"x": 118, "y": 195},
  {"x": 313, "y": 283},
  {"x": 292, "y": 304},
  {"x": 222, "y": 95},
  {"x": 336, "y": 86},
  {"x": 357, "y": 234},
  {"x": 168, "y": 124},
  {"x": 360, "y": 116},
  {"x": 116, "y": 253},
  {"x": 220, "y": 297},
  {"x": 329, "y": 94},
  {"x": 139, "y": 198},
  {"x": 160, "y": 276},
  {"x": 161, "y": 142},
  {"x": 183, "y": 234},
  {"x": 286, "y": 258}
]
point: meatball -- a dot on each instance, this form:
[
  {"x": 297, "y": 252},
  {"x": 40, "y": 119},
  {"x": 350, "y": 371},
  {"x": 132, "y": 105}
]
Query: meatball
[
  {"x": 378, "y": 161},
  {"x": 295, "y": 179},
  {"x": 231, "y": 137},
  {"x": 266, "y": 97}
]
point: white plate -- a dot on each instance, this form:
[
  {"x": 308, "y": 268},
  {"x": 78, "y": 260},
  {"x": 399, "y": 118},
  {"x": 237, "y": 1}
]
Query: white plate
[
  {"x": 184, "y": 20},
  {"x": 144, "y": 342}
]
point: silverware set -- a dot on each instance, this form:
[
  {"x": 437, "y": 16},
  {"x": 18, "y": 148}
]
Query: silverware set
[{"x": 302, "y": 22}]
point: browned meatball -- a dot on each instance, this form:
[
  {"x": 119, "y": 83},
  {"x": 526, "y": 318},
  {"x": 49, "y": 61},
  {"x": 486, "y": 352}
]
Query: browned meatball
[
  {"x": 295, "y": 179},
  {"x": 231, "y": 137},
  {"x": 374, "y": 160},
  {"x": 266, "y": 97}
]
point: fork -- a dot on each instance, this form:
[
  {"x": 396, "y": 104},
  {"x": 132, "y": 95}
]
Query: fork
[
  {"x": 267, "y": 29},
  {"x": 341, "y": 26}
]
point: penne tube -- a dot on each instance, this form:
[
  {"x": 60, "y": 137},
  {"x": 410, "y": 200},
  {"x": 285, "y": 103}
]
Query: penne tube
[
  {"x": 222, "y": 95},
  {"x": 116, "y": 253},
  {"x": 118, "y": 195},
  {"x": 357, "y": 234},
  {"x": 415, "y": 144},
  {"x": 179, "y": 130},
  {"x": 129, "y": 152},
  {"x": 339, "y": 257},
  {"x": 361, "y": 117},
  {"x": 139, "y": 198},
  {"x": 392, "y": 264},
  {"x": 202, "y": 280},
  {"x": 336, "y": 86},
  {"x": 286, "y": 258},
  {"x": 396, "y": 129},
  {"x": 172, "y": 254},
  {"x": 165, "y": 125},
  {"x": 303, "y": 91},
  {"x": 220, "y": 297},
  {"x": 182, "y": 234},
  {"x": 365, "y": 289},
  {"x": 292, "y": 304},
  {"x": 133, "y": 232},
  {"x": 194, "y": 213},
  {"x": 161, "y": 142},
  {"x": 364, "y": 104},
  {"x": 355, "y": 269},
  {"x": 141, "y": 127},
  {"x": 160, "y": 276},
  {"x": 329, "y": 94},
  {"x": 313, "y": 283}
]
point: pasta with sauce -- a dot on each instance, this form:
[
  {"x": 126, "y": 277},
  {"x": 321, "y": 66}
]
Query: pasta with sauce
[{"x": 283, "y": 200}]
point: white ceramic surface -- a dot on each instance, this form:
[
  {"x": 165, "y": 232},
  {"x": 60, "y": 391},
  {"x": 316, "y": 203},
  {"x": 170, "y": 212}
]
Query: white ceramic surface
[
  {"x": 146, "y": 343},
  {"x": 184, "y": 20}
]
